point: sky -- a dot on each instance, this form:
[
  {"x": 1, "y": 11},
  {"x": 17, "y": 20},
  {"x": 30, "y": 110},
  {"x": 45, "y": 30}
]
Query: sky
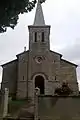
[{"x": 64, "y": 18}]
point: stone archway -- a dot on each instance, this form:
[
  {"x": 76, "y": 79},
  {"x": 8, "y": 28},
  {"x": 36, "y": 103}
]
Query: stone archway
[{"x": 39, "y": 82}]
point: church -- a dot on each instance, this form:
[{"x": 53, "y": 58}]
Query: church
[{"x": 39, "y": 66}]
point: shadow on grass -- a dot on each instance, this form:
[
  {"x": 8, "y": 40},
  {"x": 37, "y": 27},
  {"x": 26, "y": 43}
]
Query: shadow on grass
[{"x": 15, "y": 105}]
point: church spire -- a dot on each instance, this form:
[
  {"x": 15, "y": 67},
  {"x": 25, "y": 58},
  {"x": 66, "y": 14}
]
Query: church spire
[{"x": 39, "y": 17}]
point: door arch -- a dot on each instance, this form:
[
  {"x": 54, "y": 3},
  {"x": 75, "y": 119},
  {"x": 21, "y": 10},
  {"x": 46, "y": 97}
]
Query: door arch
[{"x": 39, "y": 82}]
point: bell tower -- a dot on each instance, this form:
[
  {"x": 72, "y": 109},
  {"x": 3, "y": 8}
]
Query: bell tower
[
  {"x": 39, "y": 32},
  {"x": 39, "y": 49}
]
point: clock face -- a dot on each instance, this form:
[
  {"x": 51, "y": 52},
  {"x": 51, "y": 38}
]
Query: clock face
[{"x": 39, "y": 59}]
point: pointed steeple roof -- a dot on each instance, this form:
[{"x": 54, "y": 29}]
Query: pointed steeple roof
[{"x": 39, "y": 17}]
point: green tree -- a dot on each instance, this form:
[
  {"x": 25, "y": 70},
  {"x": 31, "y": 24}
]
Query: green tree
[
  {"x": 10, "y": 10},
  {"x": 64, "y": 90}
]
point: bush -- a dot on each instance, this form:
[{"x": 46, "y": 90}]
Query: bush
[{"x": 64, "y": 90}]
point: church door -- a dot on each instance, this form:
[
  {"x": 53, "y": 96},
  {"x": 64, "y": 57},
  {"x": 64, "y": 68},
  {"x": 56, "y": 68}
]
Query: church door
[{"x": 39, "y": 82}]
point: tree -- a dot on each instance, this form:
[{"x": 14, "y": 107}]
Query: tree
[
  {"x": 10, "y": 10},
  {"x": 64, "y": 90}
]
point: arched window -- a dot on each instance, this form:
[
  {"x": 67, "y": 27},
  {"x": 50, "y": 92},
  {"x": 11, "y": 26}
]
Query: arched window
[
  {"x": 42, "y": 36},
  {"x": 35, "y": 37},
  {"x": 23, "y": 77},
  {"x": 55, "y": 77}
]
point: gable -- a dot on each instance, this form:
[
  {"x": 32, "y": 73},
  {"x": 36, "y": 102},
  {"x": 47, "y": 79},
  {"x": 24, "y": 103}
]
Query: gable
[
  {"x": 23, "y": 53},
  {"x": 9, "y": 63},
  {"x": 67, "y": 63},
  {"x": 53, "y": 52},
  {"x": 55, "y": 56}
]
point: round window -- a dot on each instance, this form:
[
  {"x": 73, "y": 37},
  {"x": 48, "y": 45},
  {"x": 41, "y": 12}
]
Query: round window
[{"x": 39, "y": 59}]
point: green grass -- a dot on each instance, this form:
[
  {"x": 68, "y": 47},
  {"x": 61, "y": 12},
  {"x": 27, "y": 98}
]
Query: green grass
[{"x": 15, "y": 105}]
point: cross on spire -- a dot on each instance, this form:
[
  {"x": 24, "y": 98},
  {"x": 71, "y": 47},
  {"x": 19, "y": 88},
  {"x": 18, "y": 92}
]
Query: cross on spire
[{"x": 39, "y": 17}]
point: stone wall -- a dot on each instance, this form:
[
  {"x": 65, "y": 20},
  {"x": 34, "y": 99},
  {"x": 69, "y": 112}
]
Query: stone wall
[
  {"x": 22, "y": 74},
  {"x": 46, "y": 68},
  {"x": 52, "y": 66},
  {"x": 9, "y": 79},
  {"x": 59, "y": 108},
  {"x": 68, "y": 73}
]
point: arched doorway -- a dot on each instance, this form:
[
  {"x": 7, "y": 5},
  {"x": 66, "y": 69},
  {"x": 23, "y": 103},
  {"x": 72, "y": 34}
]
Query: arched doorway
[{"x": 39, "y": 82}]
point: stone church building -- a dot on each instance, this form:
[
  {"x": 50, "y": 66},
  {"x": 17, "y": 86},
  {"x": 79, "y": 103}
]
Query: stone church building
[{"x": 38, "y": 66}]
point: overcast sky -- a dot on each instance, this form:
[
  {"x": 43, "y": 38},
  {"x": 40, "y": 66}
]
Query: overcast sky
[{"x": 64, "y": 18}]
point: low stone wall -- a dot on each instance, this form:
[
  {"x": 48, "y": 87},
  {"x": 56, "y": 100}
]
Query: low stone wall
[{"x": 59, "y": 108}]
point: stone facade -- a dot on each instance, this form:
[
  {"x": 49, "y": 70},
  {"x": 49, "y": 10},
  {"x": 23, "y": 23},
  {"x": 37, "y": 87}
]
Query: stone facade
[
  {"x": 9, "y": 79},
  {"x": 22, "y": 75},
  {"x": 19, "y": 75},
  {"x": 39, "y": 66}
]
